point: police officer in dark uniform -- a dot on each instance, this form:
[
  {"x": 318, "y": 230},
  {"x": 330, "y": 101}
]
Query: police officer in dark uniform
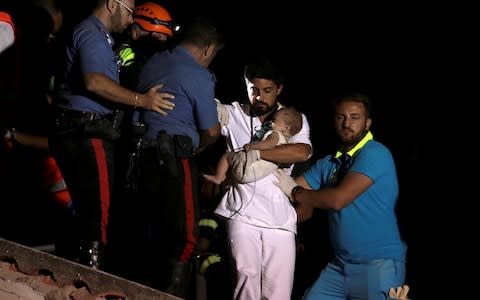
[
  {"x": 167, "y": 173},
  {"x": 87, "y": 116}
]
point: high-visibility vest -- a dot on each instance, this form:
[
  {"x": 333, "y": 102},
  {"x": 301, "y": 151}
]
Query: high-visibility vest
[{"x": 127, "y": 55}]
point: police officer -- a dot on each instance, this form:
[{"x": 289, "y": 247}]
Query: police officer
[
  {"x": 86, "y": 121},
  {"x": 168, "y": 176}
]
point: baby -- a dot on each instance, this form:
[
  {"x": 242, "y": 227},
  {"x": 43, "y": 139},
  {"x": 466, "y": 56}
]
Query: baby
[{"x": 285, "y": 123}]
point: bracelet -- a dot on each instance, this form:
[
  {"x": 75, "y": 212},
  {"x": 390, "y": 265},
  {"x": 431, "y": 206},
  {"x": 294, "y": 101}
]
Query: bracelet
[
  {"x": 135, "y": 102},
  {"x": 294, "y": 193}
]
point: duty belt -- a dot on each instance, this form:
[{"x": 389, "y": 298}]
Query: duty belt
[{"x": 76, "y": 115}]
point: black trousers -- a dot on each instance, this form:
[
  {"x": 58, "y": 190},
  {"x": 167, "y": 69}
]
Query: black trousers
[
  {"x": 87, "y": 165},
  {"x": 163, "y": 214}
]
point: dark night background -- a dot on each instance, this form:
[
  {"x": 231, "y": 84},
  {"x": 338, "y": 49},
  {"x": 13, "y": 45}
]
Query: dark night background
[{"x": 400, "y": 55}]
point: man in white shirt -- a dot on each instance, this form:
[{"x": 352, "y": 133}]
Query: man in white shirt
[{"x": 261, "y": 222}]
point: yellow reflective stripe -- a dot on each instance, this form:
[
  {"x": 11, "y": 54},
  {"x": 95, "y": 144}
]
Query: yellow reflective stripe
[
  {"x": 208, "y": 223},
  {"x": 127, "y": 55},
  {"x": 212, "y": 259},
  {"x": 366, "y": 138}
]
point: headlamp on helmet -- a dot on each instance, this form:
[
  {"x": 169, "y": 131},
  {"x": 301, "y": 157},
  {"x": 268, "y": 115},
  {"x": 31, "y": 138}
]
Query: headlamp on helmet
[{"x": 154, "y": 18}]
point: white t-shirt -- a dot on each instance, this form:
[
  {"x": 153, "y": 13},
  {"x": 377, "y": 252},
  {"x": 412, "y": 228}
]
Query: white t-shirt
[{"x": 259, "y": 203}]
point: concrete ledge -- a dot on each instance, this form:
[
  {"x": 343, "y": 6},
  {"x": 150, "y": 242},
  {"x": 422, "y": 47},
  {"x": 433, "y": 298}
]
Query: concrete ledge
[{"x": 65, "y": 272}]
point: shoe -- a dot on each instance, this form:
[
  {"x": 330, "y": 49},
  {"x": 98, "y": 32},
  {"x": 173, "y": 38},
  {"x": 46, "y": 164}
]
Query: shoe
[
  {"x": 180, "y": 280},
  {"x": 92, "y": 254}
]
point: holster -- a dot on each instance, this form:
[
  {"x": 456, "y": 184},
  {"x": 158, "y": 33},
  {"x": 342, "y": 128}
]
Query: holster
[
  {"x": 183, "y": 146},
  {"x": 165, "y": 150},
  {"x": 107, "y": 128},
  {"x": 135, "y": 130},
  {"x": 158, "y": 159}
]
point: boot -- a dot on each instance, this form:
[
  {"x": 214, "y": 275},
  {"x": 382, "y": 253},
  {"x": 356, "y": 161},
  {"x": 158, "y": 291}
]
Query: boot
[
  {"x": 92, "y": 254},
  {"x": 180, "y": 280}
]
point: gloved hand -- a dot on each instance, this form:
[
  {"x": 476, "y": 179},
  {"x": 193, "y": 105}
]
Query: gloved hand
[
  {"x": 285, "y": 181},
  {"x": 399, "y": 293},
  {"x": 222, "y": 113}
]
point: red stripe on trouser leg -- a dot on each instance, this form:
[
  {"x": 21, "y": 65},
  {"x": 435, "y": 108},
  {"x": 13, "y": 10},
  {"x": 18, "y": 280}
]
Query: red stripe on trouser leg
[
  {"x": 189, "y": 212},
  {"x": 103, "y": 184}
]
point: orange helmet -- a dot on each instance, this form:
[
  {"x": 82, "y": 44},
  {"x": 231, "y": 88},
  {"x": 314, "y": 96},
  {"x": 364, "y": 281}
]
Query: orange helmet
[{"x": 154, "y": 18}]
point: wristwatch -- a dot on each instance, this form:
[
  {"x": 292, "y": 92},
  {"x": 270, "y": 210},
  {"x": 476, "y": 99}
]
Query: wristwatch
[{"x": 294, "y": 192}]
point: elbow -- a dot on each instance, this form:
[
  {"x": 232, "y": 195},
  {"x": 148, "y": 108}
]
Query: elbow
[
  {"x": 304, "y": 152},
  {"x": 92, "y": 82},
  {"x": 211, "y": 135},
  {"x": 336, "y": 206},
  {"x": 214, "y": 133}
]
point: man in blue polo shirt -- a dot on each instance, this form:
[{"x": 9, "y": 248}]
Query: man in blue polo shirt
[
  {"x": 168, "y": 176},
  {"x": 358, "y": 186},
  {"x": 87, "y": 115}
]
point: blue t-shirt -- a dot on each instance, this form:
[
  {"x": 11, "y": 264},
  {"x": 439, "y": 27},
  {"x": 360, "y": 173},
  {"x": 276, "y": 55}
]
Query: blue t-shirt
[
  {"x": 88, "y": 51},
  {"x": 367, "y": 228},
  {"x": 194, "y": 88}
]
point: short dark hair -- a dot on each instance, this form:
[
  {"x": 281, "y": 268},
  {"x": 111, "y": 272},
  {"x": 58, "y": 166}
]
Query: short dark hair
[
  {"x": 264, "y": 67},
  {"x": 355, "y": 97},
  {"x": 203, "y": 31}
]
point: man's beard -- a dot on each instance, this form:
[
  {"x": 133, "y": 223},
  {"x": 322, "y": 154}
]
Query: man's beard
[
  {"x": 353, "y": 140},
  {"x": 262, "y": 108}
]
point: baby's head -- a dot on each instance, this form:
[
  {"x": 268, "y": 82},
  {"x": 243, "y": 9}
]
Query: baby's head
[{"x": 287, "y": 120}]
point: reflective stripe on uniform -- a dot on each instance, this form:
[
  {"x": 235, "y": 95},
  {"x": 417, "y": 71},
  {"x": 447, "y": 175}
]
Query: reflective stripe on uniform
[
  {"x": 212, "y": 259},
  {"x": 208, "y": 223}
]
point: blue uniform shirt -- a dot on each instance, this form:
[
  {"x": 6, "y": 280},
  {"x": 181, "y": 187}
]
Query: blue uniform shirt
[
  {"x": 367, "y": 228},
  {"x": 193, "y": 87},
  {"x": 89, "y": 50}
]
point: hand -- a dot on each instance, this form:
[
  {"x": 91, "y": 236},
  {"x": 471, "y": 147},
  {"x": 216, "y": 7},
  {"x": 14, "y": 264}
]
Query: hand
[
  {"x": 285, "y": 182},
  {"x": 399, "y": 293},
  {"x": 247, "y": 147},
  {"x": 158, "y": 102},
  {"x": 9, "y": 134},
  {"x": 222, "y": 113}
]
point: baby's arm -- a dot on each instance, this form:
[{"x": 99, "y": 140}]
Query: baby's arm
[{"x": 269, "y": 142}]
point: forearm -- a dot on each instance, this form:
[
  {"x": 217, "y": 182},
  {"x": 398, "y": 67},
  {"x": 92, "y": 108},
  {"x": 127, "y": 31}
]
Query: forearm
[
  {"x": 103, "y": 86},
  {"x": 338, "y": 197},
  {"x": 29, "y": 140},
  {"x": 208, "y": 137},
  {"x": 286, "y": 153},
  {"x": 324, "y": 198},
  {"x": 262, "y": 145}
]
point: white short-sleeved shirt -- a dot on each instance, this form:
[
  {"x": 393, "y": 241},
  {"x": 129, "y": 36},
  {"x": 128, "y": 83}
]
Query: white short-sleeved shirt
[{"x": 259, "y": 203}]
